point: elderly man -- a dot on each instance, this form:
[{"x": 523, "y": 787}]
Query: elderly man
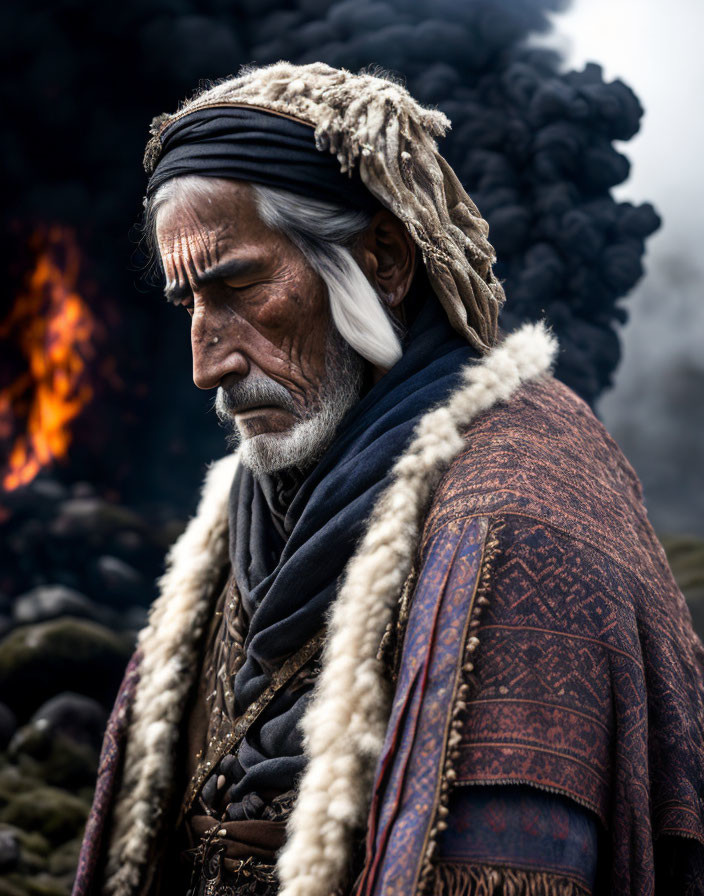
[{"x": 419, "y": 637}]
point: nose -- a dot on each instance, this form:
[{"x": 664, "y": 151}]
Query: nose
[{"x": 217, "y": 352}]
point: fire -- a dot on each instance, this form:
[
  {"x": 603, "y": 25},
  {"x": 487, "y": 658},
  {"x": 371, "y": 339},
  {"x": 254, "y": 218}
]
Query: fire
[{"x": 53, "y": 327}]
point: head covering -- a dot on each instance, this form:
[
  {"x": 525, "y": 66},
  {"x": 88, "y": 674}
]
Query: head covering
[
  {"x": 259, "y": 146},
  {"x": 374, "y": 124}
]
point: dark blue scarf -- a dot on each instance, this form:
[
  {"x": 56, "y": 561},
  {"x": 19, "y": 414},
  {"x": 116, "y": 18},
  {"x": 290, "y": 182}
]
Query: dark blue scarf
[{"x": 287, "y": 560}]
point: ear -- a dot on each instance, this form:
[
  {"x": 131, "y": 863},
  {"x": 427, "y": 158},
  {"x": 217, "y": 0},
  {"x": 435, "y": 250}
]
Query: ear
[{"x": 387, "y": 254}]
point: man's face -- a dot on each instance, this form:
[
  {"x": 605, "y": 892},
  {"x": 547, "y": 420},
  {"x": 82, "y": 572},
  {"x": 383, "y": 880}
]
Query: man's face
[
  {"x": 259, "y": 313},
  {"x": 260, "y": 326}
]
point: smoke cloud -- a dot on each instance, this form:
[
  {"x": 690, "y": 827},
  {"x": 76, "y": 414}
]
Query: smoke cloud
[{"x": 532, "y": 144}]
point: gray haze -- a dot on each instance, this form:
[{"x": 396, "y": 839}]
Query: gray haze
[{"x": 656, "y": 409}]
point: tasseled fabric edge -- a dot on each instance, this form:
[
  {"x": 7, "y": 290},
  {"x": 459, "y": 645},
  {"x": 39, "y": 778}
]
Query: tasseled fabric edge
[{"x": 455, "y": 879}]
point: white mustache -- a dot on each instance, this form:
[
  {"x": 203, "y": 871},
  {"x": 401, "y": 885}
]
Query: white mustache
[{"x": 252, "y": 393}]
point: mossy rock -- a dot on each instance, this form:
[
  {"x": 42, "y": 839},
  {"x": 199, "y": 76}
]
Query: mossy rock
[
  {"x": 45, "y": 885},
  {"x": 35, "y": 851},
  {"x": 64, "y": 860},
  {"x": 32, "y": 860},
  {"x": 66, "y": 881},
  {"x": 93, "y": 520},
  {"x": 69, "y": 764},
  {"x": 51, "y": 757},
  {"x": 39, "y": 661},
  {"x": 12, "y": 782},
  {"x": 12, "y": 885},
  {"x": 9, "y": 849},
  {"x": 34, "y": 843},
  {"x": 37, "y": 885},
  {"x": 32, "y": 863},
  {"x": 56, "y": 815},
  {"x": 685, "y": 555}
]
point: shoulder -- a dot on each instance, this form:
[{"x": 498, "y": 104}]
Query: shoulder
[
  {"x": 543, "y": 435},
  {"x": 543, "y": 455}
]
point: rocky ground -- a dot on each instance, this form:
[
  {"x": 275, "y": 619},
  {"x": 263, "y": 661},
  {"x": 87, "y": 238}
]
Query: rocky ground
[{"x": 76, "y": 575}]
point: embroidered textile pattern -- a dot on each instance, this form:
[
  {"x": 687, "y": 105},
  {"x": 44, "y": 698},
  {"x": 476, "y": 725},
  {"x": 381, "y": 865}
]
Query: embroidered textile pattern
[
  {"x": 226, "y": 652},
  {"x": 222, "y": 864},
  {"x": 465, "y": 684},
  {"x": 582, "y": 608},
  {"x": 245, "y": 877},
  {"x": 229, "y": 740},
  {"x": 420, "y": 723},
  {"x": 589, "y": 664}
]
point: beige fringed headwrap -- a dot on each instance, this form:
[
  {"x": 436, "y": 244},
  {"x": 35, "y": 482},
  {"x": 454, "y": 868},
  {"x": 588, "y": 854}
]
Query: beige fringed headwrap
[{"x": 375, "y": 123}]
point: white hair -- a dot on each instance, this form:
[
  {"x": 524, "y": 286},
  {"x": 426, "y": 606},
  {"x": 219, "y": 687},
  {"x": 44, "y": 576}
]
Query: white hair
[{"x": 325, "y": 233}]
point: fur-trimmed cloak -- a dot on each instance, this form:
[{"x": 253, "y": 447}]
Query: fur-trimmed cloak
[{"x": 541, "y": 640}]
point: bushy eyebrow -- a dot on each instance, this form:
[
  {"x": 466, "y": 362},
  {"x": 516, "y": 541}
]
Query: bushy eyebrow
[{"x": 234, "y": 267}]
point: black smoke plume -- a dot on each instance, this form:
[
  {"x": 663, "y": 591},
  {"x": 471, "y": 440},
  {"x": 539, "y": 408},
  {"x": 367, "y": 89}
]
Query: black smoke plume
[{"x": 533, "y": 145}]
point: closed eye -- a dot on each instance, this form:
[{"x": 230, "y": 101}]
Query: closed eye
[{"x": 236, "y": 286}]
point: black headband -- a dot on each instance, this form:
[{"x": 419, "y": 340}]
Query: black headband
[{"x": 245, "y": 143}]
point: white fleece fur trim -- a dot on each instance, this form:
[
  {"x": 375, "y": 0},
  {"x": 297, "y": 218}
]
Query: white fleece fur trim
[
  {"x": 345, "y": 724},
  {"x": 168, "y": 645}
]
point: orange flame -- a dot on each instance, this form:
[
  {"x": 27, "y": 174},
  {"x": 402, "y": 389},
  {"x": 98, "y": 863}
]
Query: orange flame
[{"x": 53, "y": 327}]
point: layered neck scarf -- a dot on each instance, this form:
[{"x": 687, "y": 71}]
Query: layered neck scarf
[{"x": 290, "y": 541}]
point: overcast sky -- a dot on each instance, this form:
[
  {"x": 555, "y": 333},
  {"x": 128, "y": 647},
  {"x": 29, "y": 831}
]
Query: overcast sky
[{"x": 656, "y": 410}]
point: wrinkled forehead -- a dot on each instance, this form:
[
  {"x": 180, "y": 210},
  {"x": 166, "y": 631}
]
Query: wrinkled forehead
[
  {"x": 191, "y": 203},
  {"x": 197, "y": 220}
]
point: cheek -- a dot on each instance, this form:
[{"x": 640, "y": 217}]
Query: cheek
[
  {"x": 296, "y": 316},
  {"x": 280, "y": 313},
  {"x": 306, "y": 338}
]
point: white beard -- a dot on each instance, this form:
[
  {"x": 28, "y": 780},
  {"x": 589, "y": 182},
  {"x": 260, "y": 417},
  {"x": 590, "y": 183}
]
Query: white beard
[{"x": 309, "y": 437}]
